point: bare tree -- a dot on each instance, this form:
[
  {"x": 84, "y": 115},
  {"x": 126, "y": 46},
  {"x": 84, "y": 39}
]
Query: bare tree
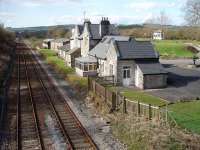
[
  {"x": 192, "y": 12},
  {"x": 162, "y": 19}
]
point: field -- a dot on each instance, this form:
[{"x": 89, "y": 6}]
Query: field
[
  {"x": 172, "y": 49},
  {"x": 187, "y": 115}
]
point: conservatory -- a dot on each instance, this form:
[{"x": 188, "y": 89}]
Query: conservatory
[{"x": 86, "y": 66}]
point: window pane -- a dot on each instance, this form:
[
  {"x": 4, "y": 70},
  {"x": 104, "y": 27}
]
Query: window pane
[
  {"x": 124, "y": 74},
  {"x": 111, "y": 69},
  {"x": 85, "y": 67},
  {"x": 128, "y": 74},
  {"x": 95, "y": 67},
  {"x": 90, "y": 67}
]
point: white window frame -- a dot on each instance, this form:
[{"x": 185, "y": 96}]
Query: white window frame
[{"x": 126, "y": 72}]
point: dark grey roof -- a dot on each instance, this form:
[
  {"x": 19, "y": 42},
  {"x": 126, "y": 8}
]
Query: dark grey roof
[
  {"x": 65, "y": 47},
  {"x": 80, "y": 28},
  {"x": 94, "y": 31},
  {"x": 133, "y": 49},
  {"x": 151, "y": 67},
  {"x": 101, "y": 49}
]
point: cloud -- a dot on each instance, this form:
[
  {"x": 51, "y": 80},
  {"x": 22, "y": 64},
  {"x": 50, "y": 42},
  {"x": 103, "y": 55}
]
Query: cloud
[
  {"x": 36, "y": 3},
  {"x": 114, "y": 19},
  {"x": 147, "y": 5},
  {"x": 7, "y": 15}
]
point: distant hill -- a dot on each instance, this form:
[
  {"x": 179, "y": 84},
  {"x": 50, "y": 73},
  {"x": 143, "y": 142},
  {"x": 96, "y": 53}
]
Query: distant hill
[
  {"x": 40, "y": 28},
  {"x": 153, "y": 26}
]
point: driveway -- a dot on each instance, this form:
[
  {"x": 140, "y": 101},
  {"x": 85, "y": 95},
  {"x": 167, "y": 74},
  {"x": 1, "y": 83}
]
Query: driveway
[{"x": 183, "y": 83}]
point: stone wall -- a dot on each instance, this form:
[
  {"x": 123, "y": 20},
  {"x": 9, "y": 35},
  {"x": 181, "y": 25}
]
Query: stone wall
[{"x": 120, "y": 65}]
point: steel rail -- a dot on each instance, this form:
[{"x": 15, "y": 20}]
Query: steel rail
[
  {"x": 68, "y": 109},
  {"x": 70, "y": 144},
  {"x": 18, "y": 117},
  {"x": 36, "y": 120}
]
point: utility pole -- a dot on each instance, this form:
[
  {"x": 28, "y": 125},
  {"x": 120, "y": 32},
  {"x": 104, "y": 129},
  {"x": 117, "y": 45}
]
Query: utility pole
[{"x": 84, "y": 15}]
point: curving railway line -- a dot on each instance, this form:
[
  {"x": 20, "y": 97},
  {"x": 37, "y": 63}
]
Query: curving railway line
[{"x": 38, "y": 117}]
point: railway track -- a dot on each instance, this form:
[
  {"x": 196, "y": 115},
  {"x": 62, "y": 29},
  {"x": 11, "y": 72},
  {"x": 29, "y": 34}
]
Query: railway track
[
  {"x": 43, "y": 118},
  {"x": 77, "y": 134}
]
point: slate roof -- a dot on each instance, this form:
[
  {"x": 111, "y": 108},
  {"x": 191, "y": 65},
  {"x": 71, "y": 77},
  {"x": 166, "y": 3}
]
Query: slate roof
[
  {"x": 94, "y": 30},
  {"x": 151, "y": 67},
  {"x": 133, "y": 49},
  {"x": 65, "y": 47},
  {"x": 80, "y": 28},
  {"x": 101, "y": 49}
]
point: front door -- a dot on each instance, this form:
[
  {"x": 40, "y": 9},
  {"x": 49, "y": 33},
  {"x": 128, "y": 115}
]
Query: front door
[{"x": 126, "y": 76}]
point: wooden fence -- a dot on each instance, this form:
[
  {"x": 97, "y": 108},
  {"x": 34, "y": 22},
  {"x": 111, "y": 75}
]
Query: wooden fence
[{"x": 116, "y": 101}]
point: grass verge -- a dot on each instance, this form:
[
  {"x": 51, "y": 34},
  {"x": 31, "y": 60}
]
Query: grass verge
[
  {"x": 140, "y": 96},
  {"x": 143, "y": 97},
  {"x": 187, "y": 115},
  {"x": 60, "y": 66},
  {"x": 172, "y": 49}
]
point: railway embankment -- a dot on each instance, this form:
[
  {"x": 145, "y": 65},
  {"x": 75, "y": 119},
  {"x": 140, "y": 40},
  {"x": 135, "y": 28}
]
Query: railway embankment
[{"x": 7, "y": 55}]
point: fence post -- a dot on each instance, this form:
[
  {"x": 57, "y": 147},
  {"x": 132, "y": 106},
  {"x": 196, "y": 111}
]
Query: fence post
[
  {"x": 95, "y": 87},
  {"x": 124, "y": 105},
  {"x": 138, "y": 108},
  {"x": 166, "y": 114},
  {"x": 113, "y": 101},
  {"x": 105, "y": 94},
  {"x": 88, "y": 84},
  {"x": 159, "y": 113},
  {"x": 150, "y": 112}
]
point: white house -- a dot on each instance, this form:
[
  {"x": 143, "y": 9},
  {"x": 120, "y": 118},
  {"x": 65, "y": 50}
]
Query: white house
[
  {"x": 47, "y": 43},
  {"x": 158, "y": 35},
  {"x": 75, "y": 40},
  {"x": 55, "y": 44},
  {"x": 86, "y": 36},
  {"x": 131, "y": 62}
]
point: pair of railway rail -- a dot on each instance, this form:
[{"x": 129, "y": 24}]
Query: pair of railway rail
[{"x": 44, "y": 120}]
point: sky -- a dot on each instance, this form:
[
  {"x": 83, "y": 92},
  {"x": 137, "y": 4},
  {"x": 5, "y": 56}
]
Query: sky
[{"x": 29, "y": 13}]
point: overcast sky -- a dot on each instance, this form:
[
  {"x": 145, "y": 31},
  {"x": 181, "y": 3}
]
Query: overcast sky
[{"x": 23, "y": 13}]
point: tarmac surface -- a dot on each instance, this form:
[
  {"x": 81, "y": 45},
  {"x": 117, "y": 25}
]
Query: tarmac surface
[{"x": 183, "y": 81}]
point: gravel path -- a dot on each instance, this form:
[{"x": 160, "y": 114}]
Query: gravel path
[{"x": 96, "y": 126}]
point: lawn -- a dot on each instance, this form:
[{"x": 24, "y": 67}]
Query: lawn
[
  {"x": 187, "y": 115},
  {"x": 143, "y": 97},
  {"x": 172, "y": 49}
]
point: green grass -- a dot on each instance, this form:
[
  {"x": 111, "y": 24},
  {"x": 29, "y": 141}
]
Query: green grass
[
  {"x": 172, "y": 49},
  {"x": 59, "y": 64},
  {"x": 143, "y": 97},
  {"x": 187, "y": 115},
  {"x": 82, "y": 81},
  {"x": 47, "y": 52}
]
